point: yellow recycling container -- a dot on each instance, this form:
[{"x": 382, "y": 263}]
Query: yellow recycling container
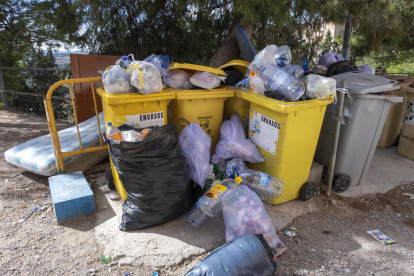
[
  {"x": 136, "y": 110},
  {"x": 236, "y": 104},
  {"x": 203, "y": 106},
  {"x": 286, "y": 133}
]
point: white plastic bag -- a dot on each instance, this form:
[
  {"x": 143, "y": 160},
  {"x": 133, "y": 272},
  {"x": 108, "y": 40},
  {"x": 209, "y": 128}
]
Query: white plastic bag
[
  {"x": 195, "y": 146},
  {"x": 116, "y": 80},
  {"x": 233, "y": 143},
  {"x": 263, "y": 58},
  {"x": 162, "y": 63},
  {"x": 244, "y": 214},
  {"x": 319, "y": 87},
  {"x": 145, "y": 76},
  {"x": 205, "y": 80},
  {"x": 178, "y": 79}
]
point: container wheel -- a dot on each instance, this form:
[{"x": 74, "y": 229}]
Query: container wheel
[
  {"x": 109, "y": 179},
  {"x": 307, "y": 191},
  {"x": 342, "y": 183}
]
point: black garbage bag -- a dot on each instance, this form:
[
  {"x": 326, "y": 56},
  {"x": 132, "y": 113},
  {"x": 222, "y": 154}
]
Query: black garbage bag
[
  {"x": 153, "y": 173},
  {"x": 233, "y": 76},
  {"x": 341, "y": 67},
  {"x": 249, "y": 255}
]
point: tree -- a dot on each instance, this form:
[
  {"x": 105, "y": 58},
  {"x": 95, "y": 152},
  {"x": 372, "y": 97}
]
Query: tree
[{"x": 328, "y": 44}]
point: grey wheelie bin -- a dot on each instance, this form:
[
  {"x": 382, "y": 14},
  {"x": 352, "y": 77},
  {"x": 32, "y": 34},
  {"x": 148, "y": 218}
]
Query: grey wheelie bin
[{"x": 365, "y": 111}]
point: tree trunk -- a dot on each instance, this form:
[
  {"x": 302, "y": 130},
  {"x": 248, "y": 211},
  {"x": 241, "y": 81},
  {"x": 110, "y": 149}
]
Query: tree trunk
[{"x": 229, "y": 50}]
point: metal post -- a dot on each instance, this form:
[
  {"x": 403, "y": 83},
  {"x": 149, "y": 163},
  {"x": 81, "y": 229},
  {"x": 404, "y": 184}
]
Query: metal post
[
  {"x": 346, "y": 45},
  {"x": 2, "y": 87},
  {"x": 338, "y": 120}
]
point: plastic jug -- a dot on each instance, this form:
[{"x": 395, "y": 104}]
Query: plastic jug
[
  {"x": 113, "y": 132},
  {"x": 282, "y": 56},
  {"x": 283, "y": 83},
  {"x": 256, "y": 83}
]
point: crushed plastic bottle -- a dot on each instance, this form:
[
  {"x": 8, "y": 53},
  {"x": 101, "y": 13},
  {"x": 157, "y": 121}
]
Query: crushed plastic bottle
[
  {"x": 113, "y": 132},
  {"x": 210, "y": 202},
  {"x": 282, "y": 82},
  {"x": 265, "y": 186},
  {"x": 196, "y": 216},
  {"x": 236, "y": 163}
]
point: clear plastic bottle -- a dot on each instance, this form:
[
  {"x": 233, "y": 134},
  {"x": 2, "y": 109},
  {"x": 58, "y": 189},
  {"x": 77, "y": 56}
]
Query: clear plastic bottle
[
  {"x": 235, "y": 163},
  {"x": 196, "y": 217},
  {"x": 265, "y": 186},
  {"x": 210, "y": 202},
  {"x": 113, "y": 132},
  {"x": 282, "y": 56},
  {"x": 282, "y": 82}
]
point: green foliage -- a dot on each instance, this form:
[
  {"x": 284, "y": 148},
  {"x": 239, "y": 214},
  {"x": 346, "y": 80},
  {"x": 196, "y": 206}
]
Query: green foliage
[{"x": 330, "y": 45}]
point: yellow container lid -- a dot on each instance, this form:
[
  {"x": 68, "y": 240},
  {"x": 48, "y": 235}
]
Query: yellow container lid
[
  {"x": 283, "y": 107},
  {"x": 195, "y": 67},
  {"x": 220, "y": 92},
  {"x": 240, "y": 65},
  {"x": 127, "y": 98}
]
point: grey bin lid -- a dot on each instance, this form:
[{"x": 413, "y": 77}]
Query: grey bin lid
[{"x": 364, "y": 83}]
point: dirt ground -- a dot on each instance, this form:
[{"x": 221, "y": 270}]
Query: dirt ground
[{"x": 331, "y": 241}]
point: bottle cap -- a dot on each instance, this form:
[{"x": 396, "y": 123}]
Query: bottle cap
[
  {"x": 110, "y": 124},
  {"x": 252, "y": 74}
]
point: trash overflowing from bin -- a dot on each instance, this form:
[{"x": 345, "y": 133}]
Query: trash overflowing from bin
[{"x": 162, "y": 170}]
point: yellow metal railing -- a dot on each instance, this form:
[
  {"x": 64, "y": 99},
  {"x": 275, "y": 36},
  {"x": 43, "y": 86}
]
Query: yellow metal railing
[{"x": 59, "y": 155}]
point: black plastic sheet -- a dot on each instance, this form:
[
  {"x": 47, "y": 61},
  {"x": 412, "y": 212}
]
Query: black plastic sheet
[
  {"x": 249, "y": 255},
  {"x": 153, "y": 173}
]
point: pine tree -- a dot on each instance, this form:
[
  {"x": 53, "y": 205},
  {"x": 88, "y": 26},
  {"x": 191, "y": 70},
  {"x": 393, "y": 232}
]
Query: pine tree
[{"x": 328, "y": 44}]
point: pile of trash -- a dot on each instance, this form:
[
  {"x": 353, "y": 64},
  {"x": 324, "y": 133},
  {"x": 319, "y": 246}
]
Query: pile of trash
[
  {"x": 154, "y": 73},
  {"x": 271, "y": 74}
]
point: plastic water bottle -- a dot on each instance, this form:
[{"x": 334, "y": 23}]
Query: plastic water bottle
[
  {"x": 282, "y": 56},
  {"x": 210, "y": 202},
  {"x": 196, "y": 217},
  {"x": 113, "y": 132},
  {"x": 256, "y": 83},
  {"x": 265, "y": 186},
  {"x": 236, "y": 163},
  {"x": 282, "y": 82}
]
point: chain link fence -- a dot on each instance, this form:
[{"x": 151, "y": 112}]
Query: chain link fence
[{"x": 23, "y": 89}]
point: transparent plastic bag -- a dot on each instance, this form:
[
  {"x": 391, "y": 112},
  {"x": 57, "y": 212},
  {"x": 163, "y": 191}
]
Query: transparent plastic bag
[
  {"x": 319, "y": 87},
  {"x": 195, "y": 145},
  {"x": 205, "y": 80},
  {"x": 233, "y": 143},
  {"x": 244, "y": 214},
  {"x": 116, "y": 80},
  {"x": 178, "y": 79},
  {"x": 366, "y": 68},
  {"x": 145, "y": 76},
  {"x": 162, "y": 63}
]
